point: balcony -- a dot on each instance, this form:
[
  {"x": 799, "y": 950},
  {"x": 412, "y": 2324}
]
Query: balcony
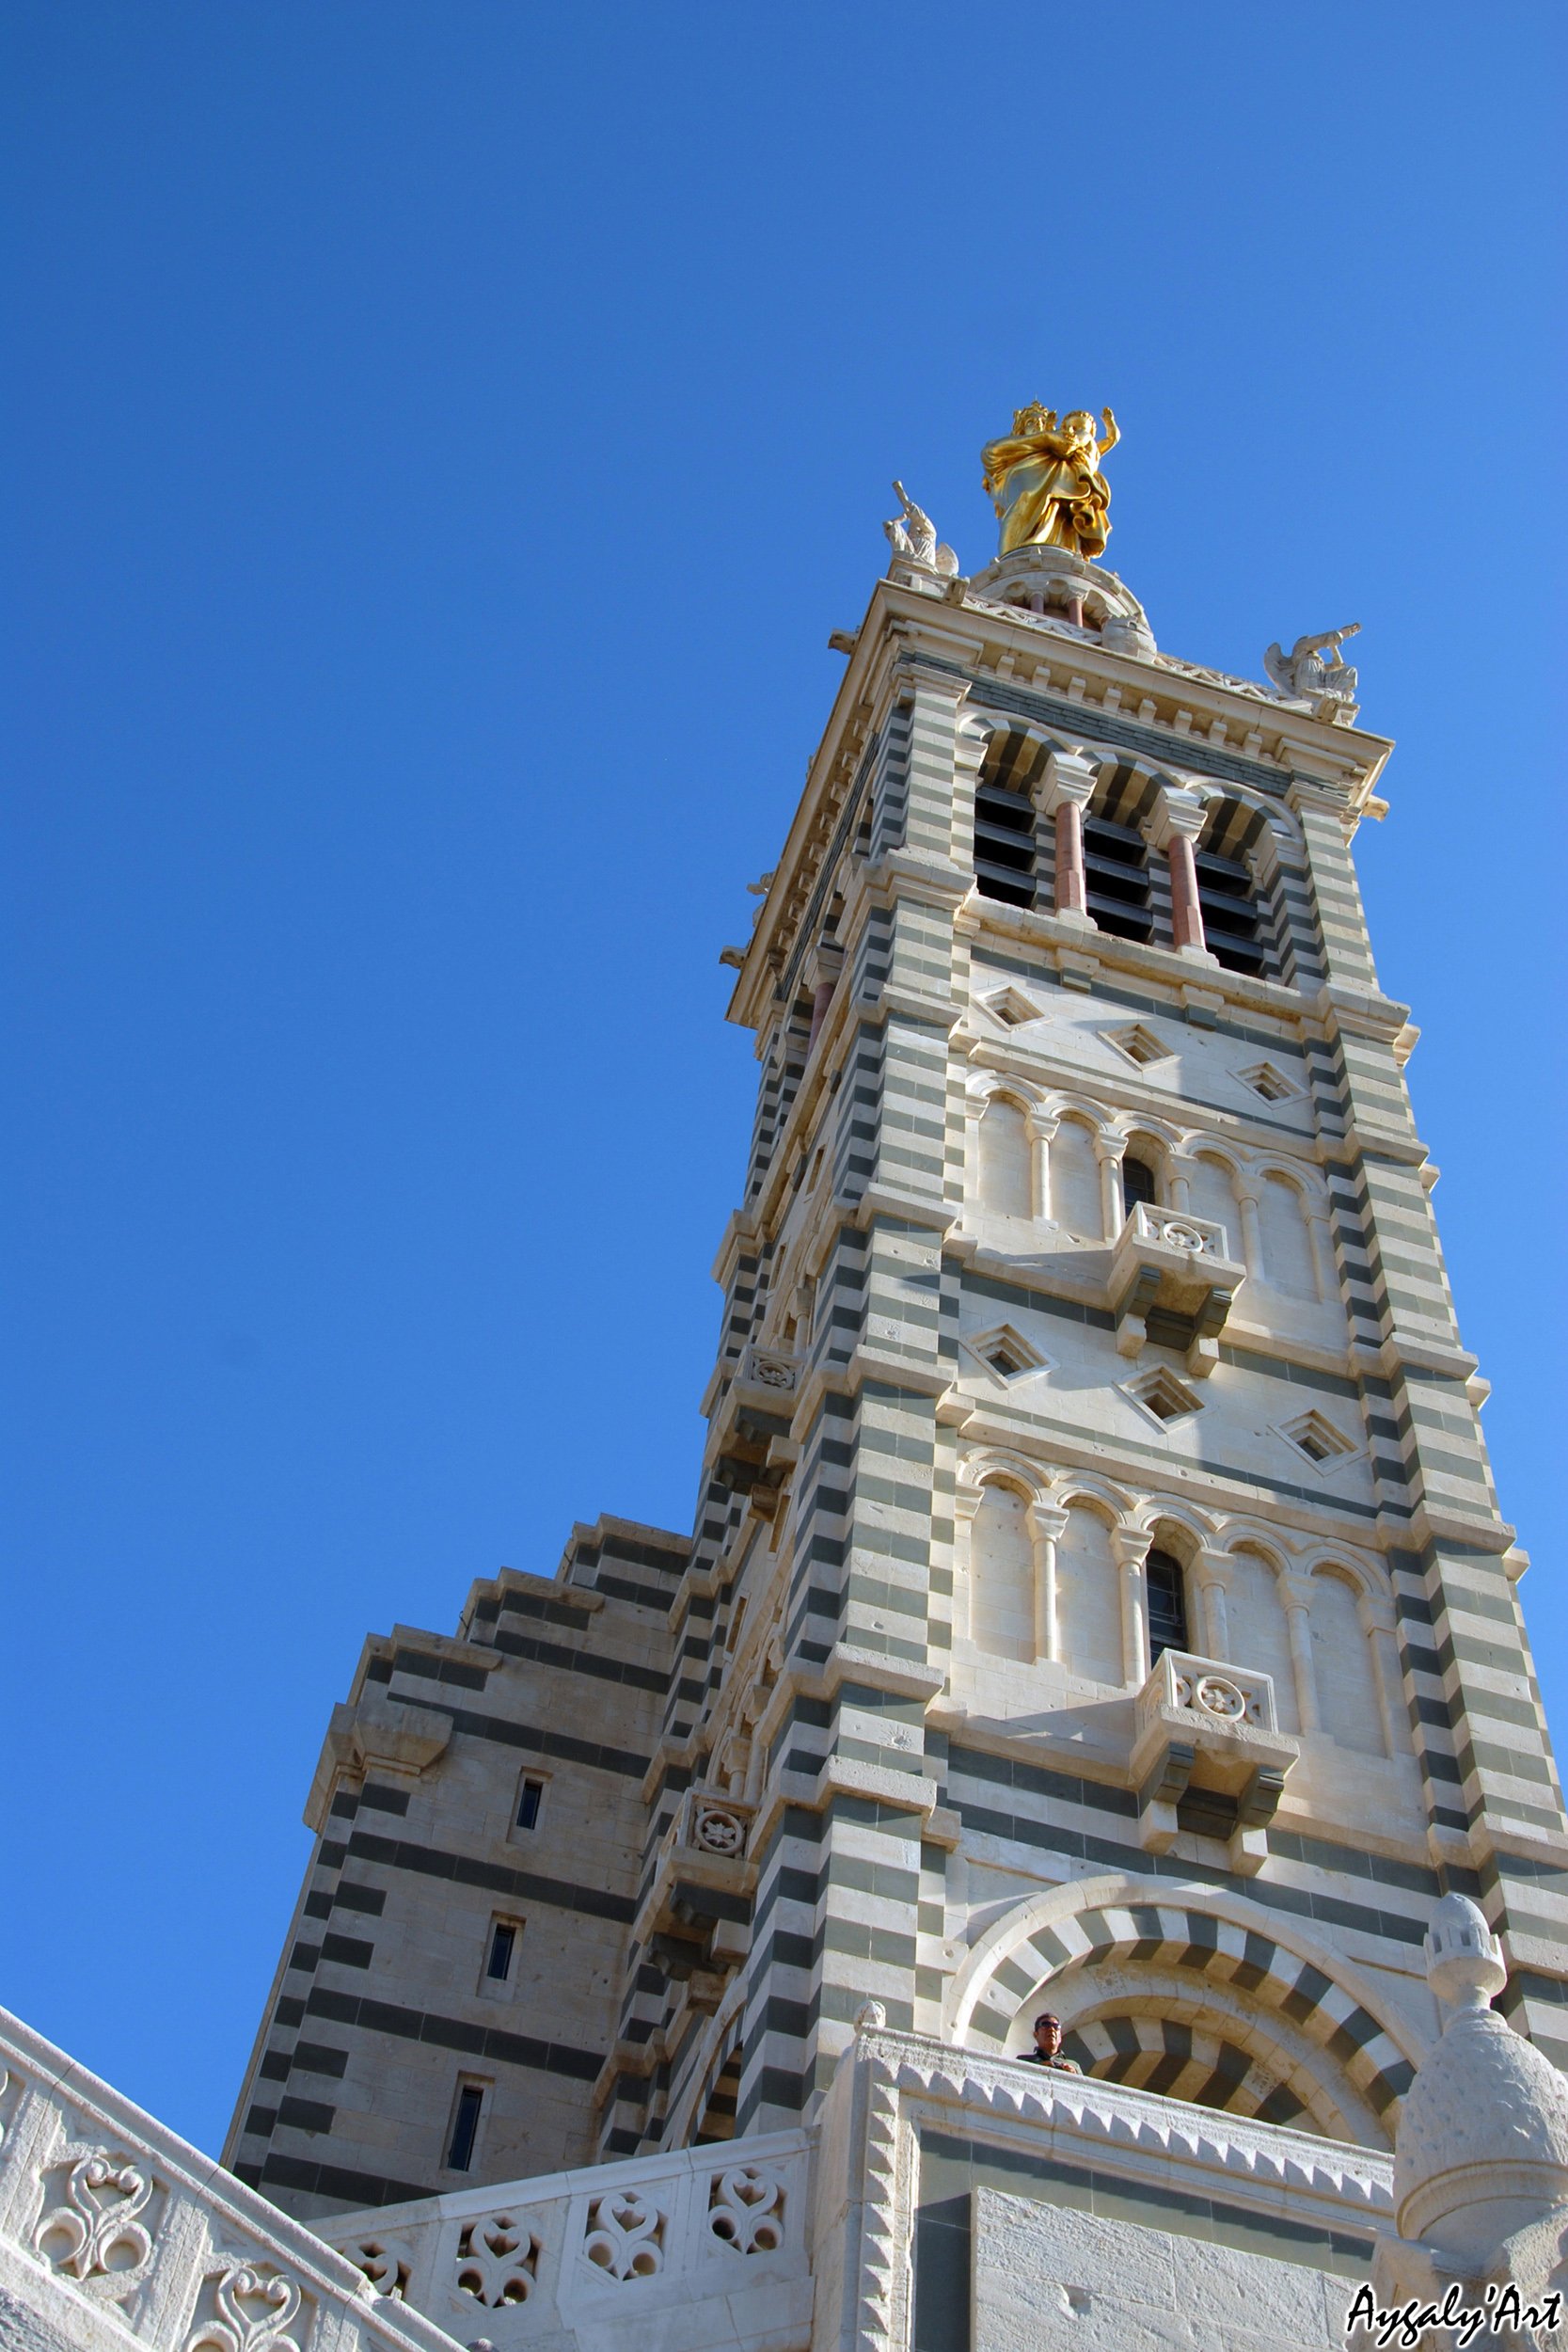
[
  {"x": 1209, "y": 1756},
  {"x": 695, "y": 1919},
  {"x": 750, "y": 1426},
  {"x": 1167, "y": 1262}
]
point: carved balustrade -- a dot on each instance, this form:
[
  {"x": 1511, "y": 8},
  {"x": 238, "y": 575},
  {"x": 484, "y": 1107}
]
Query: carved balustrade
[
  {"x": 1165, "y": 1262},
  {"x": 1208, "y": 1746},
  {"x": 111, "y": 2226},
  {"x": 697, "y": 2232},
  {"x": 695, "y": 1919},
  {"x": 750, "y": 1425}
]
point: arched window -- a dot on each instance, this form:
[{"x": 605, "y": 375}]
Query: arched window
[
  {"x": 1167, "y": 1586},
  {"x": 1139, "y": 1181}
]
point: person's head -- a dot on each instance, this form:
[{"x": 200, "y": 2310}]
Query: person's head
[
  {"x": 1079, "y": 427},
  {"x": 1047, "y": 2034}
]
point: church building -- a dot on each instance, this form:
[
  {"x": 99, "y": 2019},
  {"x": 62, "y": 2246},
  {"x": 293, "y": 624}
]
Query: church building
[{"x": 1097, "y": 1607}]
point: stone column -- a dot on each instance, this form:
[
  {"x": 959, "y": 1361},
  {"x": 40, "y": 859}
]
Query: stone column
[
  {"x": 1252, "y": 1235},
  {"x": 1130, "y": 1549},
  {"x": 1108, "y": 1150},
  {"x": 1321, "y": 1240},
  {"x": 1295, "y": 1593},
  {"x": 1042, "y": 1134},
  {"x": 1211, "y": 1575},
  {"x": 1070, "y": 781},
  {"x": 1046, "y": 1525},
  {"x": 966, "y": 1502},
  {"x": 1377, "y": 1625},
  {"x": 1177, "y": 822},
  {"x": 822, "y": 970},
  {"x": 1178, "y": 1183}
]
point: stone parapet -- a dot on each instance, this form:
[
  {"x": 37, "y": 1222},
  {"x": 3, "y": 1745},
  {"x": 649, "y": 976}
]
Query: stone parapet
[
  {"x": 704, "y": 2247},
  {"x": 114, "y": 2231}
]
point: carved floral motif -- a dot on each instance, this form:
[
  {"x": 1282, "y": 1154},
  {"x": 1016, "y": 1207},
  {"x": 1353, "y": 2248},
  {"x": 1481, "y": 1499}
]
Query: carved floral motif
[
  {"x": 497, "y": 2261},
  {"x": 717, "y": 1830},
  {"x": 625, "y": 2236},
  {"x": 1212, "y": 1695},
  {"x": 746, "y": 2209},
  {"x": 96, "y": 2232}
]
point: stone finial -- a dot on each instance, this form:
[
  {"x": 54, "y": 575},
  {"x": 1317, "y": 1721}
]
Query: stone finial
[
  {"x": 1481, "y": 2149},
  {"x": 869, "y": 2016},
  {"x": 1464, "y": 1960}
]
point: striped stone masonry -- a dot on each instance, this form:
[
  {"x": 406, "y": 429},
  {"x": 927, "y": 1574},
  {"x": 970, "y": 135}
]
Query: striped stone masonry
[{"x": 1083, "y": 1308}]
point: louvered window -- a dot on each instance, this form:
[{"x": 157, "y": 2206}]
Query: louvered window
[
  {"x": 1231, "y": 924},
  {"x": 1116, "y": 873},
  {"x": 1005, "y": 845}
]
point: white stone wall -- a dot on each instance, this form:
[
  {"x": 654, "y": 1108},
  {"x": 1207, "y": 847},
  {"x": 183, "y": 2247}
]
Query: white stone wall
[{"x": 1048, "y": 2279}]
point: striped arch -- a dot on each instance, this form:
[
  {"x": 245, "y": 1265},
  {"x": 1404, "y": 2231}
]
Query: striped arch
[
  {"x": 1237, "y": 821},
  {"x": 1216, "y": 1954},
  {"x": 710, "y": 2115},
  {"x": 1199, "y": 2061}
]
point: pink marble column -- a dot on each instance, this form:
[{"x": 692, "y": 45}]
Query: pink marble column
[
  {"x": 1186, "y": 913},
  {"x": 1177, "y": 822},
  {"x": 1070, "y": 780},
  {"x": 1071, "y": 889},
  {"x": 822, "y": 996}
]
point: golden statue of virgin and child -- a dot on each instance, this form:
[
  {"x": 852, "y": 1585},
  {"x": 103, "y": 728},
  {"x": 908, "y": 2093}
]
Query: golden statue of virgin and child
[{"x": 1045, "y": 482}]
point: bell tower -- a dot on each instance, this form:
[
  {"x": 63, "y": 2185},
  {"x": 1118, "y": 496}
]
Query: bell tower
[
  {"x": 1098, "y": 1600},
  {"x": 1111, "y": 1609}
]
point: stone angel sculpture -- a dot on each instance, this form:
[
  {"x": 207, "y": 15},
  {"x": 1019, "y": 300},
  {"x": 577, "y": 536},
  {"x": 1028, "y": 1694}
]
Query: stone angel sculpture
[
  {"x": 912, "y": 537},
  {"x": 1304, "y": 676},
  {"x": 1045, "y": 483}
]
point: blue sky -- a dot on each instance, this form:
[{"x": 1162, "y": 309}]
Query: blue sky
[{"x": 440, "y": 440}]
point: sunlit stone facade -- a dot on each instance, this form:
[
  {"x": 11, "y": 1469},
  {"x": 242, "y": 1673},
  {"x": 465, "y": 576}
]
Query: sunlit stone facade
[{"x": 1096, "y": 1599}]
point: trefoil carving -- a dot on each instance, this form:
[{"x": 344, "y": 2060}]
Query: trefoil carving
[
  {"x": 626, "y": 2236},
  {"x": 97, "y": 2232},
  {"x": 386, "y": 2263},
  {"x": 254, "y": 2307},
  {"x": 746, "y": 2210},
  {"x": 497, "y": 2261}
]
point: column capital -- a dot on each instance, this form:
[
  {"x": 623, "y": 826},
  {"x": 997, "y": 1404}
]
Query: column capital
[
  {"x": 1178, "y": 814},
  {"x": 1046, "y": 1521},
  {"x": 1110, "y": 1148},
  {"x": 1295, "y": 1590},
  {"x": 1129, "y": 1546},
  {"x": 1069, "y": 776},
  {"x": 1211, "y": 1566}
]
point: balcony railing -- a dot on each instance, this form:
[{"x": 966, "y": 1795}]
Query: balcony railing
[
  {"x": 1196, "y": 1236},
  {"x": 1223, "y": 1697},
  {"x": 1165, "y": 1260},
  {"x": 1208, "y": 1740}
]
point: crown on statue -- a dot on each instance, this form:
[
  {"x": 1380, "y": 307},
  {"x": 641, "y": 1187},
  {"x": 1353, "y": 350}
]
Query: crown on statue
[{"x": 1033, "y": 418}]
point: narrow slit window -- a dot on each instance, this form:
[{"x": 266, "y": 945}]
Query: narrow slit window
[
  {"x": 1167, "y": 1604},
  {"x": 1137, "y": 1184},
  {"x": 530, "y": 1796},
  {"x": 504, "y": 1945},
  {"x": 464, "y": 2127}
]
